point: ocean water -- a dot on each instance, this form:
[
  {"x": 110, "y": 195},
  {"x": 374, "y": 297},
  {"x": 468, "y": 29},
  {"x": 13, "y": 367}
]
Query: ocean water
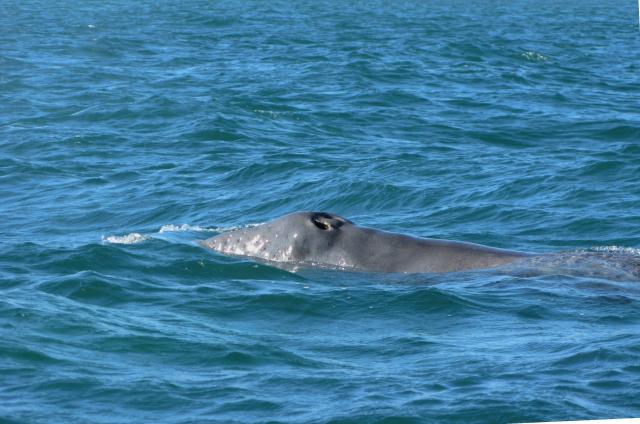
[{"x": 130, "y": 130}]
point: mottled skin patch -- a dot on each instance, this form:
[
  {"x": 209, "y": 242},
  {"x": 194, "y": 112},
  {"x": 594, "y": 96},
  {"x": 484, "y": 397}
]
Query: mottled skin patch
[{"x": 328, "y": 240}]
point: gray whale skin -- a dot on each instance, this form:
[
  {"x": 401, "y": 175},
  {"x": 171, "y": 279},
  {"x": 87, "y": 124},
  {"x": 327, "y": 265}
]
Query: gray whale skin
[{"x": 327, "y": 240}]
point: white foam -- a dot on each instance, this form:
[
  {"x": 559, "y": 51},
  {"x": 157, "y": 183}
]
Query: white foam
[
  {"x": 239, "y": 227},
  {"x": 617, "y": 249},
  {"x": 171, "y": 228},
  {"x": 132, "y": 238},
  {"x": 270, "y": 113},
  {"x": 535, "y": 57}
]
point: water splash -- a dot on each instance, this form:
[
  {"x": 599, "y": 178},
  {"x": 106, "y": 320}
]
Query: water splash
[
  {"x": 135, "y": 238},
  {"x": 132, "y": 238},
  {"x": 171, "y": 228},
  {"x": 616, "y": 249}
]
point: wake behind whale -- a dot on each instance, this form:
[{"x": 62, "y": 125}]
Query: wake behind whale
[{"x": 320, "y": 239}]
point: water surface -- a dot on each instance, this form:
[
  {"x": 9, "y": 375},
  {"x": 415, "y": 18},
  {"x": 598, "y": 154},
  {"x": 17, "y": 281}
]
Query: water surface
[{"x": 129, "y": 130}]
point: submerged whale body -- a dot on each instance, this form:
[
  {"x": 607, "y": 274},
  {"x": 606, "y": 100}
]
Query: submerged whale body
[{"x": 327, "y": 240}]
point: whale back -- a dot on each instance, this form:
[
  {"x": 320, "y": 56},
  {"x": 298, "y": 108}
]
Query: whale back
[{"x": 328, "y": 240}]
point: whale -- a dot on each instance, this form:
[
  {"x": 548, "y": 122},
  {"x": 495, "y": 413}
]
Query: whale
[{"x": 326, "y": 240}]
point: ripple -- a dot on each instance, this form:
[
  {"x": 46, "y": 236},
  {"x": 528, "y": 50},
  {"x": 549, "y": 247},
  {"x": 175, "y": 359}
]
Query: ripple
[{"x": 130, "y": 131}]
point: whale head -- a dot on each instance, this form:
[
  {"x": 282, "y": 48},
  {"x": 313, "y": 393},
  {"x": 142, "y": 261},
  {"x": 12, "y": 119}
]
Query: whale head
[{"x": 301, "y": 237}]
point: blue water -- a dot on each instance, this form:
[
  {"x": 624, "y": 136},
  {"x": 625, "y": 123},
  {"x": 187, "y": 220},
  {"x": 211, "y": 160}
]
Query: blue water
[{"x": 129, "y": 130}]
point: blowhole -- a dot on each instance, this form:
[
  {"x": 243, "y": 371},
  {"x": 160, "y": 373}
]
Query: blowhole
[
  {"x": 318, "y": 223},
  {"x": 326, "y": 221}
]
